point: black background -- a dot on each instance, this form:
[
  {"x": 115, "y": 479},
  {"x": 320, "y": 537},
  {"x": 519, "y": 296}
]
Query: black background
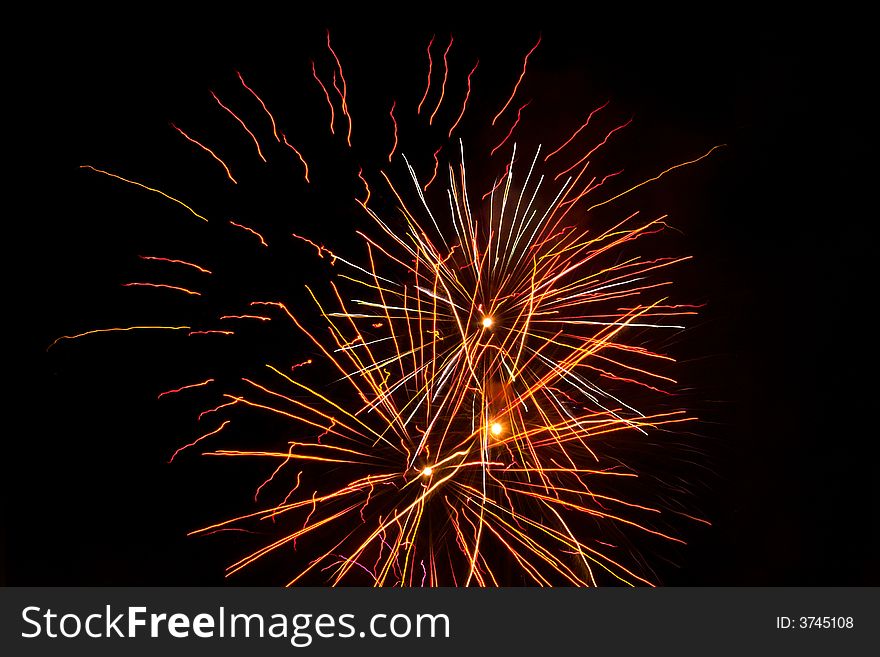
[{"x": 779, "y": 223}]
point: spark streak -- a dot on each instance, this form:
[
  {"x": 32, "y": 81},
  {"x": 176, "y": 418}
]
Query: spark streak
[
  {"x": 320, "y": 248},
  {"x": 466, "y": 97},
  {"x": 366, "y": 187},
  {"x": 299, "y": 155},
  {"x": 327, "y": 96},
  {"x": 519, "y": 80},
  {"x": 443, "y": 84},
  {"x": 578, "y": 131},
  {"x": 430, "y": 70},
  {"x": 436, "y": 167},
  {"x": 594, "y": 149},
  {"x": 209, "y": 151},
  {"x": 510, "y": 132},
  {"x": 176, "y": 262},
  {"x": 257, "y": 317},
  {"x": 250, "y": 230},
  {"x": 344, "y": 88},
  {"x": 143, "y": 186},
  {"x": 394, "y": 122},
  {"x": 113, "y": 330},
  {"x": 163, "y": 286},
  {"x": 262, "y": 104},
  {"x": 199, "y": 439},
  {"x": 658, "y": 176},
  {"x": 243, "y": 125},
  {"x": 187, "y": 387}
]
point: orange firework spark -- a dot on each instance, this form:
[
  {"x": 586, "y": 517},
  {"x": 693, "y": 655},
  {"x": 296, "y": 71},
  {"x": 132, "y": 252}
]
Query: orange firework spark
[
  {"x": 200, "y": 439},
  {"x": 436, "y": 167},
  {"x": 143, "y": 186},
  {"x": 569, "y": 203},
  {"x": 479, "y": 368},
  {"x": 299, "y": 155},
  {"x": 443, "y": 84},
  {"x": 250, "y": 230},
  {"x": 182, "y": 388},
  {"x": 430, "y": 70},
  {"x": 512, "y": 128},
  {"x": 262, "y": 104},
  {"x": 394, "y": 122},
  {"x": 497, "y": 184},
  {"x": 302, "y": 364},
  {"x": 257, "y": 317},
  {"x": 366, "y": 187},
  {"x": 586, "y": 157},
  {"x": 216, "y": 408},
  {"x": 163, "y": 286},
  {"x": 243, "y": 125},
  {"x": 320, "y": 248},
  {"x": 519, "y": 80},
  {"x": 344, "y": 93},
  {"x": 176, "y": 262},
  {"x": 209, "y": 151},
  {"x": 327, "y": 96},
  {"x": 658, "y": 176},
  {"x": 578, "y": 131},
  {"x": 466, "y": 97},
  {"x": 115, "y": 330}
]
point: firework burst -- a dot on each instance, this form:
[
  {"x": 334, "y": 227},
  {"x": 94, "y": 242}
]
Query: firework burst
[{"x": 478, "y": 359}]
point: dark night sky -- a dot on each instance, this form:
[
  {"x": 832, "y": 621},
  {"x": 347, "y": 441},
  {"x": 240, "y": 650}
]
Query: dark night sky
[{"x": 778, "y": 223}]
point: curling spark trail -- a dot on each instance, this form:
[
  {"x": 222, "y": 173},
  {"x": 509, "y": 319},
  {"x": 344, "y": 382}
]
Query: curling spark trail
[
  {"x": 443, "y": 84},
  {"x": 430, "y": 70},
  {"x": 394, "y": 123},
  {"x": 467, "y": 95},
  {"x": 200, "y": 439},
  {"x": 578, "y": 131},
  {"x": 512, "y": 128},
  {"x": 436, "y": 167},
  {"x": 519, "y": 80}
]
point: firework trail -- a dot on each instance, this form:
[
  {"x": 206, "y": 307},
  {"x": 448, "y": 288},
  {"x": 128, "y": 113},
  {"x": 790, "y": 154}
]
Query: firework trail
[{"x": 480, "y": 356}]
